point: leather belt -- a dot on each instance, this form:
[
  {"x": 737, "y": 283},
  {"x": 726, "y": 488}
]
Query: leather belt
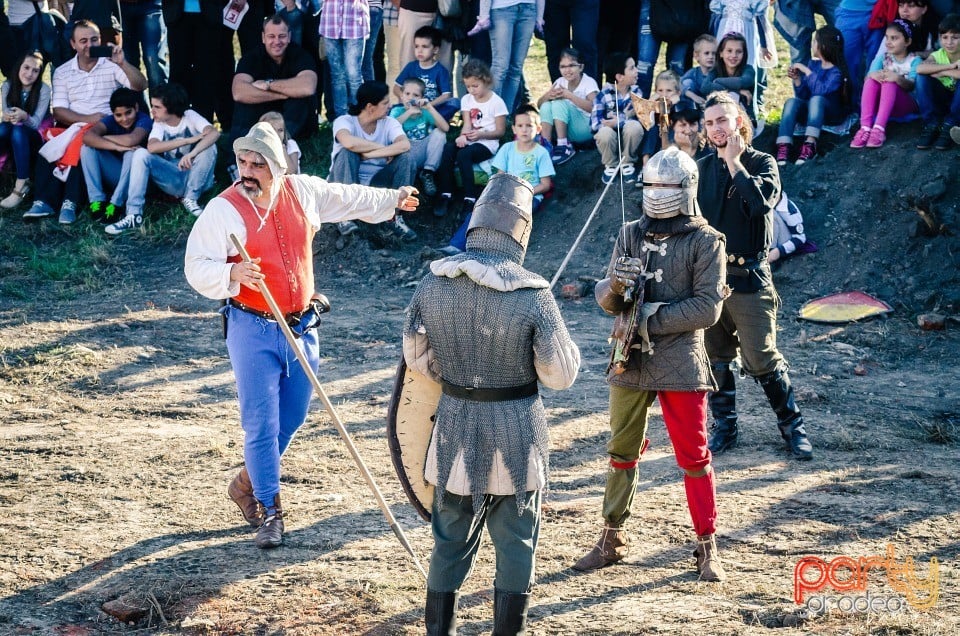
[
  {"x": 504, "y": 394},
  {"x": 291, "y": 318},
  {"x": 749, "y": 261}
]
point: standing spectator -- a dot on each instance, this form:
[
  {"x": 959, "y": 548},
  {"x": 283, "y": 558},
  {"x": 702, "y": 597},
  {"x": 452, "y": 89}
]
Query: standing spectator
[
  {"x": 560, "y": 17},
  {"x": 25, "y": 102},
  {"x": 391, "y": 39},
  {"x": 370, "y": 148},
  {"x": 11, "y": 31},
  {"x": 143, "y": 30},
  {"x": 739, "y": 187},
  {"x": 859, "y": 40},
  {"x": 179, "y": 158},
  {"x": 105, "y": 14},
  {"x": 614, "y": 122},
  {"x": 376, "y": 23},
  {"x": 794, "y": 19},
  {"x": 937, "y": 92},
  {"x": 617, "y": 29},
  {"x": 675, "y": 23},
  {"x": 194, "y": 33},
  {"x": 81, "y": 94},
  {"x": 822, "y": 95},
  {"x": 511, "y": 27},
  {"x": 294, "y": 16},
  {"x": 566, "y": 107},
  {"x": 107, "y": 153},
  {"x": 415, "y": 14},
  {"x": 344, "y": 26},
  {"x": 8, "y": 54},
  {"x": 277, "y": 75},
  {"x": 434, "y": 75}
]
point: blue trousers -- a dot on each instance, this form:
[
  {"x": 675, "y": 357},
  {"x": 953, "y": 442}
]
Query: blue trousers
[
  {"x": 816, "y": 112},
  {"x": 649, "y": 49},
  {"x": 23, "y": 142},
  {"x": 936, "y": 101},
  {"x": 456, "y": 535},
  {"x": 860, "y": 44},
  {"x": 273, "y": 390}
]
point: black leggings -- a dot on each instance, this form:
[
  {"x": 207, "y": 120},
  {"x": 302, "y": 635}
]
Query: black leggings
[{"x": 464, "y": 158}]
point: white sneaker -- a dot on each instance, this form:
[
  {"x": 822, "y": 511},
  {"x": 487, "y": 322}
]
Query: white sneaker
[
  {"x": 129, "y": 222},
  {"x": 346, "y": 228},
  {"x": 402, "y": 229},
  {"x": 192, "y": 206}
]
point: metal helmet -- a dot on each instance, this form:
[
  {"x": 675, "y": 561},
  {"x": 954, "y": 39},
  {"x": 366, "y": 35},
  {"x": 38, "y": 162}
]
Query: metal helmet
[
  {"x": 506, "y": 206},
  {"x": 670, "y": 185}
]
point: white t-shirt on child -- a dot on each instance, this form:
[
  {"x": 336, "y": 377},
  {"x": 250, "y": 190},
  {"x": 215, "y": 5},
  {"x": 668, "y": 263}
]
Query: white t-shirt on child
[
  {"x": 191, "y": 124},
  {"x": 586, "y": 86},
  {"x": 483, "y": 116},
  {"x": 293, "y": 149}
]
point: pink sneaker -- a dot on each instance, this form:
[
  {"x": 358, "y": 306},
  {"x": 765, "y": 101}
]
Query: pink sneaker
[
  {"x": 860, "y": 139},
  {"x": 783, "y": 153},
  {"x": 807, "y": 152},
  {"x": 877, "y": 137}
]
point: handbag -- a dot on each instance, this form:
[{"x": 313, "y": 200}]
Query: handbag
[{"x": 449, "y": 8}]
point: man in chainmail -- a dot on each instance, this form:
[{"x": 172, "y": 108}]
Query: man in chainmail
[
  {"x": 665, "y": 284},
  {"x": 488, "y": 330}
]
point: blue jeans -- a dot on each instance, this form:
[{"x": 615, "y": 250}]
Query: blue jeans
[
  {"x": 936, "y": 101},
  {"x": 344, "y": 58},
  {"x": 797, "y": 25},
  {"x": 23, "y": 142},
  {"x": 649, "y": 49},
  {"x": 817, "y": 112},
  {"x": 510, "y": 33},
  {"x": 860, "y": 44},
  {"x": 143, "y": 28},
  {"x": 580, "y": 16},
  {"x": 106, "y": 167},
  {"x": 273, "y": 390},
  {"x": 167, "y": 175},
  {"x": 376, "y": 22}
]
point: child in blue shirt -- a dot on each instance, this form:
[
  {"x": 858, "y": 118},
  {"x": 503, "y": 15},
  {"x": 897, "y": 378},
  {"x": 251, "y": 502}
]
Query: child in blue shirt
[
  {"x": 425, "y": 128},
  {"x": 435, "y": 76},
  {"x": 705, "y": 55},
  {"x": 524, "y": 157},
  {"x": 107, "y": 153}
]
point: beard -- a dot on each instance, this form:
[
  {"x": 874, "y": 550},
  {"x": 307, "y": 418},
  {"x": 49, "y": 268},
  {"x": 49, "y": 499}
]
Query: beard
[{"x": 252, "y": 187}]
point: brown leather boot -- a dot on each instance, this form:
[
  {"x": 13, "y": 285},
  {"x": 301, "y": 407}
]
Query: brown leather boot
[
  {"x": 611, "y": 547},
  {"x": 270, "y": 532},
  {"x": 240, "y": 491},
  {"x": 708, "y": 560}
]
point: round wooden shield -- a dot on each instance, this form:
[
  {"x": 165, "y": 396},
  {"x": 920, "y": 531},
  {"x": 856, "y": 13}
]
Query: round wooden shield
[{"x": 409, "y": 428}]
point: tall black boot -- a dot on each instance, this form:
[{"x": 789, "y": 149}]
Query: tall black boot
[
  {"x": 789, "y": 419},
  {"x": 723, "y": 405},
  {"x": 510, "y": 613},
  {"x": 441, "y": 613}
]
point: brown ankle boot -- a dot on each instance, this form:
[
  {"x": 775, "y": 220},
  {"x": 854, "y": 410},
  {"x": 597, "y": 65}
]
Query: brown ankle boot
[
  {"x": 708, "y": 559},
  {"x": 270, "y": 532},
  {"x": 240, "y": 491},
  {"x": 611, "y": 547}
]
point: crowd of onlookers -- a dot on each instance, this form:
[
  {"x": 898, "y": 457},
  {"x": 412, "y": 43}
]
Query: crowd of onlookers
[{"x": 416, "y": 96}]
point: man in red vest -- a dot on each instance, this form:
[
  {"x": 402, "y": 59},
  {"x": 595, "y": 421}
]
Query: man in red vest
[{"x": 275, "y": 216}]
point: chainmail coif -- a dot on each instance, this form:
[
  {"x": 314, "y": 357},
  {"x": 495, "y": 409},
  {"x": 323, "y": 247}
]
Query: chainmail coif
[{"x": 487, "y": 343}]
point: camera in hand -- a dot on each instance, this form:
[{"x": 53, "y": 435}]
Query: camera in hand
[{"x": 101, "y": 51}]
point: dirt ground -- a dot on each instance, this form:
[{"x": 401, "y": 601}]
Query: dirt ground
[{"x": 119, "y": 426}]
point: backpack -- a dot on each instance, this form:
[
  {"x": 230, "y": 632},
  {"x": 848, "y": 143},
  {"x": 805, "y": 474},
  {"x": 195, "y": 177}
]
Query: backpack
[
  {"x": 679, "y": 20},
  {"x": 46, "y": 31}
]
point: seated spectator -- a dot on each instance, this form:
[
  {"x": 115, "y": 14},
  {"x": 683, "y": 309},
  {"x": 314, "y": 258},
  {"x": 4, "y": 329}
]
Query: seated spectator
[
  {"x": 705, "y": 55},
  {"x": 107, "y": 153},
  {"x": 937, "y": 92},
  {"x": 291, "y": 149},
  {"x": 822, "y": 95},
  {"x": 427, "y": 68},
  {"x": 887, "y": 88},
  {"x": 484, "y": 123},
  {"x": 524, "y": 157},
  {"x": 24, "y": 102},
  {"x": 278, "y": 76},
  {"x": 566, "y": 107},
  {"x": 733, "y": 75},
  {"x": 614, "y": 121},
  {"x": 81, "y": 95},
  {"x": 370, "y": 148},
  {"x": 788, "y": 233},
  {"x": 685, "y": 130},
  {"x": 426, "y": 129},
  {"x": 666, "y": 86},
  {"x": 179, "y": 158}
]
